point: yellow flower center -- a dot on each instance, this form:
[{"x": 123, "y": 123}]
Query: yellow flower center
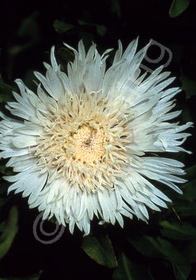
[
  {"x": 85, "y": 141},
  {"x": 89, "y": 145}
]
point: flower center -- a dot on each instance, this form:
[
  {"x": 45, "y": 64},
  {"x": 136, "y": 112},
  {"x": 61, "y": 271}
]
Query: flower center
[
  {"x": 86, "y": 146},
  {"x": 89, "y": 145}
]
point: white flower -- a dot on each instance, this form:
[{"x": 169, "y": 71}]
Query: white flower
[{"x": 89, "y": 143}]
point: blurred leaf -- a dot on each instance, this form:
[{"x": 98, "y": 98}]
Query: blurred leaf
[
  {"x": 101, "y": 29},
  {"x": 29, "y": 32},
  {"x": 189, "y": 190},
  {"x": 100, "y": 250},
  {"x": 191, "y": 172},
  {"x": 123, "y": 272},
  {"x": 3, "y": 191},
  {"x": 188, "y": 85},
  {"x": 61, "y": 26},
  {"x": 177, "y": 50},
  {"x": 128, "y": 270},
  {"x": 178, "y": 7},
  {"x": 7, "y": 238},
  {"x": 158, "y": 248},
  {"x": 35, "y": 276},
  {"x": 2, "y": 169},
  {"x": 29, "y": 27},
  {"x": 181, "y": 272},
  {"x": 186, "y": 208},
  {"x": 2, "y": 201},
  {"x": 5, "y": 91},
  {"x": 187, "y": 114},
  {"x": 146, "y": 245},
  {"x": 115, "y": 5},
  {"x": 82, "y": 22},
  {"x": 190, "y": 251},
  {"x": 4, "y": 186},
  {"x": 177, "y": 231},
  {"x": 2, "y": 226}
]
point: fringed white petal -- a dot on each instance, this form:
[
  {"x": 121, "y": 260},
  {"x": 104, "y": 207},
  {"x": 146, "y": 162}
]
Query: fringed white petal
[{"x": 131, "y": 114}]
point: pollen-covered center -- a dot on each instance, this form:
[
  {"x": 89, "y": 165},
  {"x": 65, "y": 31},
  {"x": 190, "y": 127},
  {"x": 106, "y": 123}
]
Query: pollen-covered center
[
  {"x": 88, "y": 145},
  {"x": 85, "y": 141}
]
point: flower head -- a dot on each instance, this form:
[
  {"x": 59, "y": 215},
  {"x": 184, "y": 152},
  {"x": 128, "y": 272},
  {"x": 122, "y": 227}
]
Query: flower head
[{"x": 84, "y": 145}]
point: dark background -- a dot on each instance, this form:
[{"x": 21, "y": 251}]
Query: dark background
[{"x": 27, "y": 32}]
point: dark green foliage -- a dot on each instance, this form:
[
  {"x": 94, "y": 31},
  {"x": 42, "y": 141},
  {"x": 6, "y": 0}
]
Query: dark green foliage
[
  {"x": 164, "y": 249},
  {"x": 9, "y": 230},
  {"x": 178, "y": 7},
  {"x": 100, "y": 249}
]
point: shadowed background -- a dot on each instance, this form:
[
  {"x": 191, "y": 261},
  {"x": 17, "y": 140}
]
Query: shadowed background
[{"x": 164, "y": 249}]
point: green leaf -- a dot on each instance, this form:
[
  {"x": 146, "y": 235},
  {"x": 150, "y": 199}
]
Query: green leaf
[
  {"x": 191, "y": 172},
  {"x": 158, "y": 248},
  {"x": 127, "y": 270},
  {"x": 170, "y": 252},
  {"x": 178, "y": 231},
  {"x": 101, "y": 29},
  {"x": 5, "y": 91},
  {"x": 181, "y": 272},
  {"x": 123, "y": 272},
  {"x": 9, "y": 234},
  {"x": 35, "y": 276},
  {"x": 29, "y": 32},
  {"x": 100, "y": 250},
  {"x": 185, "y": 208},
  {"x": 62, "y": 27},
  {"x": 186, "y": 115},
  {"x": 2, "y": 226},
  {"x": 146, "y": 245},
  {"x": 189, "y": 190},
  {"x": 178, "y": 7},
  {"x": 2, "y": 169},
  {"x": 188, "y": 85},
  {"x": 190, "y": 251}
]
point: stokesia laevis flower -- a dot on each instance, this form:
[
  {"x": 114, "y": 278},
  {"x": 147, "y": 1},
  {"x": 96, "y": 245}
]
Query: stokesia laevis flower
[{"x": 89, "y": 142}]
